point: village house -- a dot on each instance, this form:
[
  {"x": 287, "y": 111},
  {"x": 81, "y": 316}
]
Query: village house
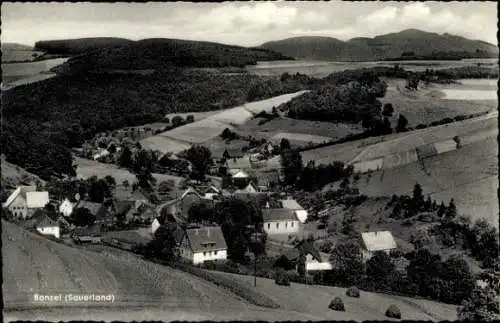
[
  {"x": 376, "y": 241},
  {"x": 249, "y": 189},
  {"x": 25, "y": 200},
  {"x": 67, "y": 207},
  {"x": 203, "y": 244},
  {"x": 99, "y": 210},
  {"x": 179, "y": 207},
  {"x": 280, "y": 221},
  {"x": 46, "y": 226},
  {"x": 89, "y": 234},
  {"x": 293, "y": 205},
  {"x": 211, "y": 192},
  {"x": 313, "y": 259},
  {"x": 127, "y": 240},
  {"x": 101, "y": 152}
]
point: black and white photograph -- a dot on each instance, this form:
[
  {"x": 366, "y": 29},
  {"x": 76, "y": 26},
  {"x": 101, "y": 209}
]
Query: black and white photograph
[{"x": 250, "y": 161}]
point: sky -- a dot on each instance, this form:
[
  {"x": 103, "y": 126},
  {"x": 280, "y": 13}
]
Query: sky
[{"x": 243, "y": 23}]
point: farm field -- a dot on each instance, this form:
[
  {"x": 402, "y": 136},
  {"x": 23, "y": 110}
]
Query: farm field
[
  {"x": 436, "y": 101},
  {"x": 370, "y": 306},
  {"x": 297, "y": 128},
  {"x": 323, "y": 68},
  {"x": 469, "y": 175},
  {"x": 370, "y": 148},
  {"x": 88, "y": 168},
  {"x": 210, "y": 127}
]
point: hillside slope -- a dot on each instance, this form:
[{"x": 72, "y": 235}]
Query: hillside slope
[
  {"x": 315, "y": 299},
  {"x": 144, "y": 290},
  {"x": 408, "y": 44},
  {"x": 117, "y": 53}
]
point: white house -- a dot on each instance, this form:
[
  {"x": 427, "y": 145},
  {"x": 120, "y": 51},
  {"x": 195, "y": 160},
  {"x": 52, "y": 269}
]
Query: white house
[
  {"x": 280, "y": 221},
  {"x": 100, "y": 153},
  {"x": 377, "y": 241},
  {"x": 25, "y": 200},
  {"x": 292, "y": 204},
  {"x": 47, "y": 226},
  {"x": 67, "y": 207},
  {"x": 211, "y": 192},
  {"x": 203, "y": 244},
  {"x": 315, "y": 265},
  {"x": 238, "y": 173}
]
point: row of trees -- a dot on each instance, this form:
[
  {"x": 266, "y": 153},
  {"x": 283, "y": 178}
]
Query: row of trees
[
  {"x": 311, "y": 177},
  {"x": 426, "y": 275}
]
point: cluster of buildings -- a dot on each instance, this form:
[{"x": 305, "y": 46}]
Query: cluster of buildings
[{"x": 197, "y": 243}]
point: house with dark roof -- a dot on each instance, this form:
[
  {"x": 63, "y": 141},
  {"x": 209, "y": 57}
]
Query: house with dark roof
[
  {"x": 314, "y": 260},
  {"x": 203, "y": 244},
  {"x": 102, "y": 213},
  {"x": 280, "y": 221},
  {"x": 179, "y": 207},
  {"x": 88, "y": 234}
]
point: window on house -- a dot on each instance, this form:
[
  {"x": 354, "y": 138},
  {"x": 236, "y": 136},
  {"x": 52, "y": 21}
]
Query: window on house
[
  {"x": 204, "y": 253},
  {"x": 269, "y": 225},
  {"x": 215, "y": 253},
  {"x": 277, "y": 225},
  {"x": 292, "y": 224},
  {"x": 286, "y": 225}
]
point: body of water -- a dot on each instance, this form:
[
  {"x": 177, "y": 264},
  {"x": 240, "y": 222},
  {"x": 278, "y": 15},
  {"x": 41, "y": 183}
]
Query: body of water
[{"x": 15, "y": 74}]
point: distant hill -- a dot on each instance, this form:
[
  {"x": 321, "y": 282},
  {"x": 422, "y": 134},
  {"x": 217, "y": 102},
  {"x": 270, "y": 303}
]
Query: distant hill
[
  {"x": 118, "y": 53},
  {"x": 78, "y": 46},
  {"x": 15, "y": 46},
  {"x": 408, "y": 44}
]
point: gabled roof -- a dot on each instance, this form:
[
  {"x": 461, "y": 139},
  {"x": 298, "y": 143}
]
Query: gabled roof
[
  {"x": 212, "y": 189},
  {"x": 45, "y": 222},
  {"x": 271, "y": 215},
  {"x": 37, "y": 199},
  {"x": 190, "y": 190},
  {"x": 248, "y": 189},
  {"x": 93, "y": 230},
  {"x": 20, "y": 190},
  {"x": 377, "y": 241},
  {"x": 206, "y": 239},
  {"x": 239, "y": 174},
  {"x": 291, "y": 204}
]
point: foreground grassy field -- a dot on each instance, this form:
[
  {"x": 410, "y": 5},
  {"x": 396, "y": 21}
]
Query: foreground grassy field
[
  {"x": 144, "y": 290},
  {"x": 371, "y": 306}
]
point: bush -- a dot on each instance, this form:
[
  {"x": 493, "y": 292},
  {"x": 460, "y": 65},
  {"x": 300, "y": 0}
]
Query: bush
[
  {"x": 393, "y": 312},
  {"x": 282, "y": 279},
  {"x": 337, "y": 304},
  {"x": 352, "y": 292}
]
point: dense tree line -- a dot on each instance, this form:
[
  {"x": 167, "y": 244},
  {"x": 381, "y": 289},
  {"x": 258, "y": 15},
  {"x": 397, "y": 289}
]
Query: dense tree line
[
  {"x": 426, "y": 275},
  {"x": 353, "y": 102},
  {"x": 43, "y": 120}
]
